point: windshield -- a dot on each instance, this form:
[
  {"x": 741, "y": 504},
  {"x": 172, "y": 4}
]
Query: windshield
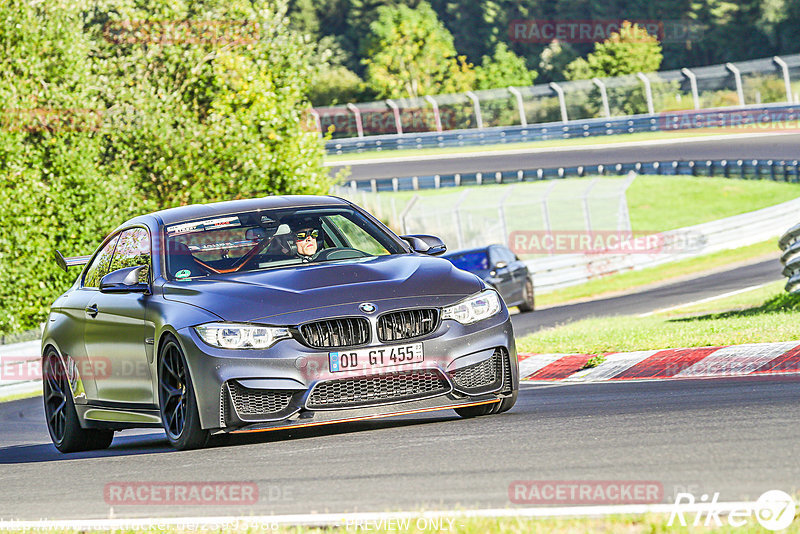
[{"x": 268, "y": 239}]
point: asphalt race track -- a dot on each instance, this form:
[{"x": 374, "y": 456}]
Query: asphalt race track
[
  {"x": 756, "y": 147},
  {"x": 735, "y": 436},
  {"x": 738, "y": 437},
  {"x": 663, "y": 296}
]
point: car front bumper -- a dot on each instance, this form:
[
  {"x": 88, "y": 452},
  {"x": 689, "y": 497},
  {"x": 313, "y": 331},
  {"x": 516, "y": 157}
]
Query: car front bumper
[{"x": 251, "y": 390}]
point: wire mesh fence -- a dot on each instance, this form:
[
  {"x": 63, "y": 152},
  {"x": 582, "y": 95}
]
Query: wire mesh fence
[
  {"x": 475, "y": 217},
  {"x": 755, "y": 82}
]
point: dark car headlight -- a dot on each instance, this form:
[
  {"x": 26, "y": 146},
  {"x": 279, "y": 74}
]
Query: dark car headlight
[
  {"x": 475, "y": 308},
  {"x": 241, "y": 336}
]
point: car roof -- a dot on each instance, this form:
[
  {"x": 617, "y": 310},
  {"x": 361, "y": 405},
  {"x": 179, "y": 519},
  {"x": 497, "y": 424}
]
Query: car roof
[{"x": 196, "y": 211}]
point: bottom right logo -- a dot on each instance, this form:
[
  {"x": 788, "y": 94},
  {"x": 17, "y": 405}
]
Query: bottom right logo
[{"x": 775, "y": 510}]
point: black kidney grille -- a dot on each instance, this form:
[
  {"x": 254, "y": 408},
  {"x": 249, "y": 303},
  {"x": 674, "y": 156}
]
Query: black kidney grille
[
  {"x": 485, "y": 375},
  {"x": 406, "y": 324},
  {"x": 391, "y": 387},
  {"x": 249, "y": 402},
  {"x": 332, "y": 333}
]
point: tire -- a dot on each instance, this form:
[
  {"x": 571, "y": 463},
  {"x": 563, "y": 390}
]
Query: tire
[
  {"x": 529, "y": 299},
  {"x": 507, "y": 403},
  {"x": 476, "y": 411},
  {"x": 177, "y": 402},
  {"x": 59, "y": 409}
]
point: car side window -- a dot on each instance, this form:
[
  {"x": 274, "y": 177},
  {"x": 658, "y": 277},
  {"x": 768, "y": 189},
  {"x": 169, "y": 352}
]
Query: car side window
[
  {"x": 357, "y": 237},
  {"x": 494, "y": 256},
  {"x": 506, "y": 255},
  {"x": 101, "y": 264},
  {"x": 133, "y": 249}
]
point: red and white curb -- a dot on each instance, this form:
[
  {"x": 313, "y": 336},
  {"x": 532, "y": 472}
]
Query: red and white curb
[{"x": 701, "y": 362}]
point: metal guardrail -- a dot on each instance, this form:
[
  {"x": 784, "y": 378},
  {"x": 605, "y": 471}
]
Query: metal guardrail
[
  {"x": 751, "y": 169},
  {"x": 735, "y": 118},
  {"x": 565, "y": 270},
  {"x": 790, "y": 245}
]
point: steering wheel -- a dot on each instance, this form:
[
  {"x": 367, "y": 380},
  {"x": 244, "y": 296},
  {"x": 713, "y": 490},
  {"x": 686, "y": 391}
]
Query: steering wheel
[{"x": 340, "y": 253}]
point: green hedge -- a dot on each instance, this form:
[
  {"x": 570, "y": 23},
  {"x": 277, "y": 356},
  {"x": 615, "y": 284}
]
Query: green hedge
[{"x": 110, "y": 110}]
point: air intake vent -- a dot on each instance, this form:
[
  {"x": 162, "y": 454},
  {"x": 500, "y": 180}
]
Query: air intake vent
[
  {"x": 333, "y": 333},
  {"x": 380, "y": 389},
  {"x": 487, "y": 375},
  {"x": 407, "y": 324},
  {"x": 258, "y": 402}
]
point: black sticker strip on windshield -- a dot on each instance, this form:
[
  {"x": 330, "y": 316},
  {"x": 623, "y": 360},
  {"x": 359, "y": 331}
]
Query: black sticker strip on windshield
[{"x": 202, "y": 226}]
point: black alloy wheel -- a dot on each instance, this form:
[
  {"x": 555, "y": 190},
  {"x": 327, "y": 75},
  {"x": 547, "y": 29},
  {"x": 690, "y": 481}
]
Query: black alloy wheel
[
  {"x": 177, "y": 402},
  {"x": 59, "y": 409}
]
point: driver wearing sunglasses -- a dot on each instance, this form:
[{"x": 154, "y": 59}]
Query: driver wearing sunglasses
[
  {"x": 306, "y": 241},
  {"x": 307, "y": 235}
]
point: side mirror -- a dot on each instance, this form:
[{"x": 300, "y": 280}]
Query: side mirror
[
  {"x": 425, "y": 244},
  {"x": 125, "y": 280}
]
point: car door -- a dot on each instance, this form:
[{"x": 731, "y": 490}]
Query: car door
[
  {"x": 519, "y": 272},
  {"x": 502, "y": 278},
  {"x": 115, "y": 332}
]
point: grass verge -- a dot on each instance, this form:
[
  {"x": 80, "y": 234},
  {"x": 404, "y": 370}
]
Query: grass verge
[
  {"x": 18, "y": 396},
  {"x": 769, "y": 315},
  {"x": 577, "y": 142},
  {"x": 624, "y": 282}
]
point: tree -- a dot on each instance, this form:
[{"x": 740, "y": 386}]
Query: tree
[
  {"x": 52, "y": 194},
  {"x": 125, "y": 107},
  {"x": 409, "y": 53},
  {"x": 503, "y": 69},
  {"x": 628, "y": 51}
]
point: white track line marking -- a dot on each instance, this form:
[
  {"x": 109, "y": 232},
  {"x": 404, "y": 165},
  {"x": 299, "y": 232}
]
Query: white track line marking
[
  {"x": 703, "y": 301},
  {"x": 333, "y": 519},
  {"x": 571, "y": 148}
]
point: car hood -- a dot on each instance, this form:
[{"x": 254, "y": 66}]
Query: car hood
[{"x": 294, "y": 295}]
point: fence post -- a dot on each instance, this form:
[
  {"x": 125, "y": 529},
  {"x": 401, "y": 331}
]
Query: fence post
[
  {"x": 693, "y": 83},
  {"x": 546, "y": 213},
  {"x": 603, "y": 96},
  {"x": 457, "y": 216},
  {"x": 476, "y": 105},
  {"x": 436, "y": 115},
  {"x": 587, "y": 217},
  {"x": 357, "y": 114},
  {"x": 562, "y": 102},
  {"x": 396, "y": 112},
  {"x": 501, "y": 211},
  {"x": 522, "y": 119},
  {"x": 737, "y": 76},
  {"x": 648, "y": 92},
  {"x": 406, "y": 210},
  {"x": 786, "y": 80}
]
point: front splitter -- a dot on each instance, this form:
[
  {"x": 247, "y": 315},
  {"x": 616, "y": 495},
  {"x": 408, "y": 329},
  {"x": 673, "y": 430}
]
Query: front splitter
[{"x": 330, "y": 417}]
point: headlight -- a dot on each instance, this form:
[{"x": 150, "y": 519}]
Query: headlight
[
  {"x": 473, "y": 309},
  {"x": 240, "y": 336}
]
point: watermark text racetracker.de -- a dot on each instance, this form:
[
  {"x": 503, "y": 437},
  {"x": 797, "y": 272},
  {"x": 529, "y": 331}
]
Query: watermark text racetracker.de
[
  {"x": 604, "y": 242},
  {"x": 166, "y": 493},
  {"x": 595, "y": 31},
  {"x": 573, "y": 492}
]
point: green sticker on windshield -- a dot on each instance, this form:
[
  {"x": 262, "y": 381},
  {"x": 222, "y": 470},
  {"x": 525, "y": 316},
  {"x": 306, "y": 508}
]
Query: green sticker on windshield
[{"x": 183, "y": 273}]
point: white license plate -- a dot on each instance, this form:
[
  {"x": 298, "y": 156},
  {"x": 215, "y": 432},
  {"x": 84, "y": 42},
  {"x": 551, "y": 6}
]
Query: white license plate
[{"x": 374, "y": 357}]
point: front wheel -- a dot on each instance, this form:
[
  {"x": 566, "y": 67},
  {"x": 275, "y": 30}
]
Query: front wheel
[
  {"x": 176, "y": 400},
  {"x": 59, "y": 410},
  {"x": 528, "y": 303},
  {"x": 476, "y": 411}
]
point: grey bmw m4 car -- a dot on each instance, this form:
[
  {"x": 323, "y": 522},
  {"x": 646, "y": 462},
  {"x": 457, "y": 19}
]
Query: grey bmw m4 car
[{"x": 265, "y": 314}]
